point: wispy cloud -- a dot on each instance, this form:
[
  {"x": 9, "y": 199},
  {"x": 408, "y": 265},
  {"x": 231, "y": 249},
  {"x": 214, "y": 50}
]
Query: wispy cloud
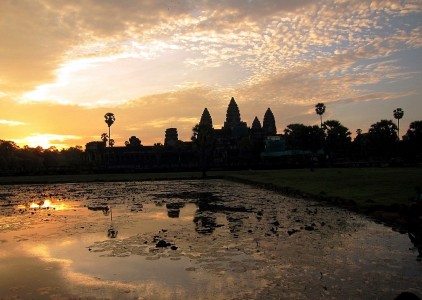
[
  {"x": 92, "y": 42},
  {"x": 164, "y": 123},
  {"x": 11, "y": 123}
]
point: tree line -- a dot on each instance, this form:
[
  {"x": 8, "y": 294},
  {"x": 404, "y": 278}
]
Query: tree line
[
  {"x": 380, "y": 143},
  {"x": 330, "y": 143},
  {"x": 36, "y": 160}
]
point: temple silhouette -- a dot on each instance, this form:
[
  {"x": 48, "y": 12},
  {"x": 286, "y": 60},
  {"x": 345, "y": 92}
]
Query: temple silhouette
[{"x": 234, "y": 146}]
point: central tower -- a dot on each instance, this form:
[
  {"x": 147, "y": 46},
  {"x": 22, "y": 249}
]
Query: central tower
[
  {"x": 233, "y": 127},
  {"x": 268, "y": 125},
  {"x": 233, "y": 115}
]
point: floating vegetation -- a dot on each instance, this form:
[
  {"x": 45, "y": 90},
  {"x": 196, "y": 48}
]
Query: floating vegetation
[{"x": 201, "y": 238}]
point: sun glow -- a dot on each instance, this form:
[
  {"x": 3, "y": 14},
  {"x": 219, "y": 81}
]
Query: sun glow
[
  {"x": 46, "y": 140},
  {"x": 45, "y": 204},
  {"x": 39, "y": 140}
]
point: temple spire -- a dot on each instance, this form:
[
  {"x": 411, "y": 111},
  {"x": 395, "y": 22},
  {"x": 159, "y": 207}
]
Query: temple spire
[
  {"x": 206, "y": 119},
  {"x": 233, "y": 115},
  {"x": 256, "y": 125},
  {"x": 268, "y": 125}
]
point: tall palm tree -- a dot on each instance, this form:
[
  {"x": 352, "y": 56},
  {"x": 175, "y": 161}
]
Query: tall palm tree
[
  {"x": 320, "y": 110},
  {"x": 109, "y": 119},
  {"x": 104, "y": 138},
  {"x": 398, "y": 114}
]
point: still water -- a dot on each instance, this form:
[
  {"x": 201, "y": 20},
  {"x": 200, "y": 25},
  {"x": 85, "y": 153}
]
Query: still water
[{"x": 193, "y": 240}]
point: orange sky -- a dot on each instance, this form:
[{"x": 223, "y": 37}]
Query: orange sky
[{"x": 158, "y": 64}]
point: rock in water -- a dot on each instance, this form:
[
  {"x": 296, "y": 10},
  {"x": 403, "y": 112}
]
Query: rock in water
[{"x": 162, "y": 244}]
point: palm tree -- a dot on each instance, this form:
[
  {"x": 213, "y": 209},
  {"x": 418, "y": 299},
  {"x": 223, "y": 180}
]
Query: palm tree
[
  {"x": 337, "y": 139},
  {"x": 109, "y": 119},
  {"x": 104, "y": 138},
  {"x": 398, "y": 114},
  {"x": 320, "y": 110}
]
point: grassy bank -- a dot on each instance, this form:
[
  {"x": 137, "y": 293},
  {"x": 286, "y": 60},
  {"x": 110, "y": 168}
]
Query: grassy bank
[{"x": 365, "y": 186}]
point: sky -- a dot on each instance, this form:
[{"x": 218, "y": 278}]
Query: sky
[{"x": 157, "y": 64}]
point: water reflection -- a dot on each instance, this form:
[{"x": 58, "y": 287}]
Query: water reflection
[
  {"x": 173, "y": 209},
  {"x": 44, "y": 204},
  {"x": 210, "y": 239}
]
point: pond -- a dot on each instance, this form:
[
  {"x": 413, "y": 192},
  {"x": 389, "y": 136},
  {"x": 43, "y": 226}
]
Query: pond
[{"x": 193, "y": 240}]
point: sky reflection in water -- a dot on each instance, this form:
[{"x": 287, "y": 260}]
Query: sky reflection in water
[{"x": 228, "y": 241}]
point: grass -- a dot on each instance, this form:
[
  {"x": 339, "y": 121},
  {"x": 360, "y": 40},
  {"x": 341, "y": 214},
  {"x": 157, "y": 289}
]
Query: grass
[{"x": 365, "y": 186}]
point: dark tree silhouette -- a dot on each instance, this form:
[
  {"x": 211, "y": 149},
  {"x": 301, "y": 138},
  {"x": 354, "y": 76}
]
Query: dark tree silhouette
[
  {"x": 414, "y": 133},
  {"x": 359, "y": 145},
  {"x": 382, "y": 137},
  {"x": 8, "y": 157},
  {"x": 51, "y": 157},
  {"x": 104, "y": 138},
  {"x": 73, "y": 156},
  {"x": 305, "y": 138},
  {"x": 398, "y": 114},
  {"x": 337, "y": 138},
  {"x": 7, "y": 148},
  {"x": 133, "y": 142},
  {"x": 302, "y": 137},
  {"x": 320, "y": 110},
  {"x": 109, "y": 119},
  {"x": 22, "y": 161},
  {"x": 413, "y": 140}
]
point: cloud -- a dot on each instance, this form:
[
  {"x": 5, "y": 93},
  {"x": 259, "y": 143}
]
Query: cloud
[
  {"x": 33, "y": 42},
  {"x": 158, "y": 63},
  {"x": 39, "y": 36},
  {"x": 11, "y": 123},
  {"x": 255, "y": 9},
  {"x": 166, "y": 123},
  {"x": 57, "y": 34}
]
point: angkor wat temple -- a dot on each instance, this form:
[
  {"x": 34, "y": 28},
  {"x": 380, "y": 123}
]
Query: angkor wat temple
[{"x": 233, "y": 146}]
